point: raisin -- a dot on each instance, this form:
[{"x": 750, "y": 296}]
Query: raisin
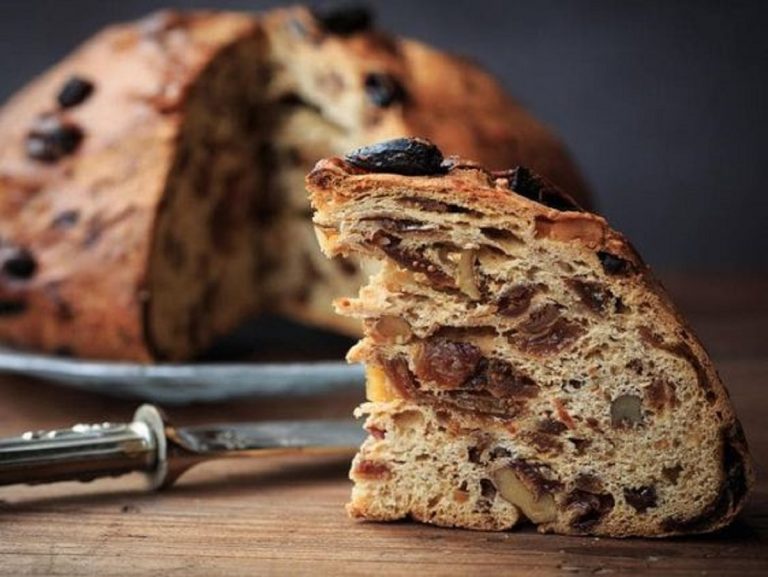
[
  {"x": 593, "y": 295},
  {"x": 615, "y": 265},
  {"x": 372, "y": 470},
  {"x": 406, "y": 156},
  {"x": 9, "y": 308},
  {"x": 515, "y": 300},
  {"x": 446, "y": 363},
  {"x": 555, "y": 338},
  {"x": 660, "y": 394},
  {"x": 50, "y": 139},
  {"x": 474, "y": 454},
  {"x": 412, "y": 260},
  {"x": 17, "y": 263},
  {"x": 502, "y": 380},
  {"x": 384, "y": 90},
  {"x": 346, "y": 20},
  {"x": 641, "y": 498},
  {"x": 75, "y": 91},
  {"x": 400, "y": 376},
  {"x": 551, "y": 426},
  {"x": 537, "y": 188},
  {"x": 541, "y": 320}
]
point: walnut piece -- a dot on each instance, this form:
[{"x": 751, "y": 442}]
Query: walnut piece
[{"x": 539, "y": 509}]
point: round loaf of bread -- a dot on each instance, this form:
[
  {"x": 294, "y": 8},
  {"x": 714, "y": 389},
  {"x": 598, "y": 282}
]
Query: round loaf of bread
[{"x": 151, "y": 184}]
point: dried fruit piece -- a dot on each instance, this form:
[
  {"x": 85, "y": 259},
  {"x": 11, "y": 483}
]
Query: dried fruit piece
[
  {"x": 502, "y": 380},
  {"x": 626, "y": 411},
  {"x": 75, "y": 91},
  {"x": 17, "y": 263},
  {"x": 594, "y": 295},
  {"x": 514, "y": 301},
  {"x": 408, "y": 156},
  {"x": 371, "y": 470},
  {"x": 535, "y": 187},
  {"x": 345, "y": 20},
  {"x": 615, "y": 265},
  {"x": 51, "y": 138},
  {"x": 446, "y": 363}
]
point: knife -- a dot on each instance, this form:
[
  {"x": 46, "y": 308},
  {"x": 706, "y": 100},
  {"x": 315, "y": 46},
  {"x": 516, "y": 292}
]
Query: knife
[{"x": 151, "y": 445}]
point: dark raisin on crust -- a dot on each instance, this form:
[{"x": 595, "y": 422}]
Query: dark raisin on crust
[
  {"x": 17, "y": 263},
  {"x": 51, "y": 138},
  {"x": 537, "y": 188},
  {"x": 345, "y": 20},
  {"x": 75, "y": 91},
  {"x": 615, "y": 265},
  {"x": 383, "y": 89},
  {"x": 406, "y": 156},
  {"x": 641, "y": 498}
]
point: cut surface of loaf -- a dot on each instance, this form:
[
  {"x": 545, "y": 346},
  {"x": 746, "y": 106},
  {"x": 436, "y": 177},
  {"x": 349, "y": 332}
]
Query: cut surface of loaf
[
  {"x": 522, "y": 361},
  {"x": 151, "y": 184}
]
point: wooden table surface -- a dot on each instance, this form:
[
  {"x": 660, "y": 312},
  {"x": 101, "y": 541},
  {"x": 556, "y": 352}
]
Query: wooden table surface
[{"x": 286, "y": 516}]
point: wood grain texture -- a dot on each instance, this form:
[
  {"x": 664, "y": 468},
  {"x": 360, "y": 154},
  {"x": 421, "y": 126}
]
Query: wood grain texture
[{"x": 286, "y": 516}]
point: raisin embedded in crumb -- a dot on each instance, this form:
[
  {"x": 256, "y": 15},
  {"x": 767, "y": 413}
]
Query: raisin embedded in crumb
[
  {"x": 9, "y": 308},
  {"x": 641, "y": 498},
  {"x": 17, "y": 263},
  {"x": 371, "y": 470},
  {"x": 384, "y": 90},
  {"x": 345, "y": 20},
  {"x": 50, "y": 139},
  {"x": 502, "y": 380},
  {"x": 446, "y": 363},
  {"x": 406, "y": 156},
  {"x": 474, "y": 454},
  {"x": 614, "y": 265},
  {"x": 515, "y": 300},
  {"x": 551, "y": 426},
  {"x": 75, "y": 91},
  {"x": 593, "y": 295}
]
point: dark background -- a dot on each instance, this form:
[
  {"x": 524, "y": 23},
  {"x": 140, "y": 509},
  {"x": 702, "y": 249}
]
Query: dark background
[{"x": 662, "y": 103}]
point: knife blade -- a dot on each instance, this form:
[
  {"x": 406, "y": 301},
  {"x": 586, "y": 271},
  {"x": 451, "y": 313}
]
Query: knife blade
[{"x": 151, "y": 445}]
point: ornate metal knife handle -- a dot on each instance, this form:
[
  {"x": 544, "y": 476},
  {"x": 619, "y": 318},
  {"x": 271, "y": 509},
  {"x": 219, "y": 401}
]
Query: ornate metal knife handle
[
  {"x": 151, "y": 445},
  {"x": 87, "y": 452}
]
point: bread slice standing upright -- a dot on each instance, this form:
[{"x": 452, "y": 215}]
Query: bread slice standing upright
[{"x": 522, "y": 360}]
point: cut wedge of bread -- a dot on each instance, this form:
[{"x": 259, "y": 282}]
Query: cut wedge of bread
[{"x": 522, "y": 360}]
